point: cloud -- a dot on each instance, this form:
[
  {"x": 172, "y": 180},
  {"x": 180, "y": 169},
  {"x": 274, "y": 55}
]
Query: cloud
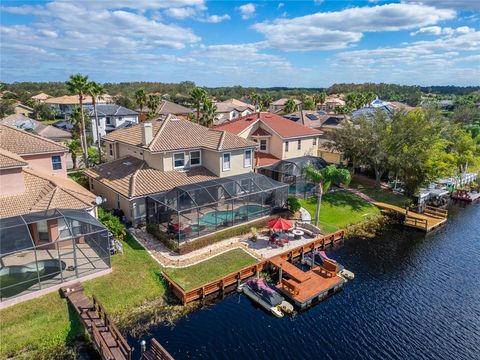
[
  {"x": 247, "y": 10},
  {"x": 181, "y": 13},
  {"x": 341, "y": 29},
  {"x": 429, "y": 30},
  {"x": 214, "y": 19},
  {"x": 280, "y": 5},
  {"x": 437, "y": 30},
  {"x": 468, "y": 5}
]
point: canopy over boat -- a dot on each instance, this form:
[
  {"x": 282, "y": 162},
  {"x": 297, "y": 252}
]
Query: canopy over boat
[{"x": 264, "y": 291}]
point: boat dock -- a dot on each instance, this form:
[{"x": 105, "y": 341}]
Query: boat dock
[
  {"x": 464, "y": 195},
  {"x": 431, "y": 219},
  {"x": 306, "y": 287}
]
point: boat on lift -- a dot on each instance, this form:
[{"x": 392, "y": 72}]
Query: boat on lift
[{"x": 267, "y": 297}]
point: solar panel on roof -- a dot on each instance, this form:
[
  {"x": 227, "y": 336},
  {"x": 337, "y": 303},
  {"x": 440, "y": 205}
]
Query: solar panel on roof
[{"x": 312, "y": 116}]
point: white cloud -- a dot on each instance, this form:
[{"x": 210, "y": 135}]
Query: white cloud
[
  {"x": 181, "y": 12},
  {"x": 437, "y": 30},
  {"x": 429, "y": 30},
  {"x": 469, "y": 5},
  {"x": 247, "y": 10},
  {"x": 341, "y": 29},
  {"x": 280, "y": 5},
  {"x": 214, "y": 19}
]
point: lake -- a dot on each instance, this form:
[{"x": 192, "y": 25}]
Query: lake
[{"x": 413, "y": 297}]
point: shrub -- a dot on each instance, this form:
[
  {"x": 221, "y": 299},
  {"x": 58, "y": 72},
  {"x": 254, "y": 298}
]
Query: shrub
[
  {"x": 154, "y": 230},
  {"x": 112, "y": 223},
  {"x": 293, "y": 204}
]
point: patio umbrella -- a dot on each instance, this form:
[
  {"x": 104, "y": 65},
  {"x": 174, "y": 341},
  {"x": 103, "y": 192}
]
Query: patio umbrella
[{"x": 280, "y": 224}]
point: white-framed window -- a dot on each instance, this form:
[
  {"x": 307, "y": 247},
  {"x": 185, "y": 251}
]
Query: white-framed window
[
  {"x": 263, "y": 144},
  {"x": 195, "y": 158},
  {"x": 56, "y": 162},
  {"x": 286, "y": 146},
  {"x": 299, "y": 144},
  {"x": 178, "y": 160},
  {"x": 226, "y": 161},
  {"x": 247, "y": 158}
]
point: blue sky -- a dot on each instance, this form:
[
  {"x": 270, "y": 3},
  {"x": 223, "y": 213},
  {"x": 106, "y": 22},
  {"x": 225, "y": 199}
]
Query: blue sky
[{"x": 248, "y": 43}]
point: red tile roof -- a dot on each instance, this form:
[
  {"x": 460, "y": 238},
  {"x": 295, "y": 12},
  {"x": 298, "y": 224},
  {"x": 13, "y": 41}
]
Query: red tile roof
[
  {"x": 283, "y": 127},
  {"x": 264, "y": 159},
  {"x": 261, "y": 132}
]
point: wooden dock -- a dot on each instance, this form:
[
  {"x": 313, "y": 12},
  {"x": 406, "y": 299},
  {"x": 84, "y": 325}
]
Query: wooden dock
[
  {"x": 156, "y": 352},
  {"x": 306, "y": 287},
  {"x": 106, "y": 338},
  {"x": 431, "y": 219},
  {"x": 464, "y": 195}
]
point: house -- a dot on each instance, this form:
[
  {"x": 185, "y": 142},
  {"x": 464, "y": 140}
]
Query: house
[
  {"x": 110, "y": 118},
  {"x": 165, "y": 108},
  {"x": 399, "y": 106},
  {"x": 278, "y": 105},
  {"x": 232, "y": 109},
  {"x": 152, "y": 159},
  {"x": 36, "y": 127},
  {"x": 40, "y": 98},
  {"x": 40, "y": 153},
  {"x": 331, "y": 104},
  {"x": 24, "y": 110},
  {"x": 65, "y": 104}
]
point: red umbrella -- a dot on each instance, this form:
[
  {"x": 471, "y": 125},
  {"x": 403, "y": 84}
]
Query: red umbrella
[{"x": 280, "y": 224}]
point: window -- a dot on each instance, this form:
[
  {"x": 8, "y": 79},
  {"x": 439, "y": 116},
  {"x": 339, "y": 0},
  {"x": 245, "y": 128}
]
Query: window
[
  {"x": 247, "y": 159},
  {"x": 110, "y": 149},
  {"x": 286, "y": 146},
  {"x": 226, "y": 161},
  {"x": 299, "y": 144},
  {"x": 195, "y": 158},
  {"x": 314, "y": 141},
  {"x": 263, "y": 145},
  {"x": 178, "y": 160},
  {"x": 56, "y": 162}
]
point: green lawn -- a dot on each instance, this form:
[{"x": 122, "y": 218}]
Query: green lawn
[
  {"x": 339, "y": 209},
  {"x": 381, "y": 195},
  {"x": 40, "y": 325},
  {"x": 209, "y": 270}
]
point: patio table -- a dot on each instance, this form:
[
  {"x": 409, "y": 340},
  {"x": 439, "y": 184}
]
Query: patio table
[{"x": 297, "y": 233}]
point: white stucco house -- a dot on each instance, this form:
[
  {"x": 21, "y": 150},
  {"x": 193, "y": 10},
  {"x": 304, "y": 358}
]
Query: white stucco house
[{"x": 111, "y": 117}]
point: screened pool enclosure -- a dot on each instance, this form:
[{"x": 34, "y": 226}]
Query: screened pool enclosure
[
  {"x": 47, "y": 248},
  {"x": 291, "y": 172},
  {"x": 194, "y": 210}
]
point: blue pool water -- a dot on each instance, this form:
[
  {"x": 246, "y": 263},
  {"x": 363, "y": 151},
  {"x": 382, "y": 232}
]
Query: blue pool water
[
  {"x": 211, "y": 218},
  {"x": 413, "y": 297}
]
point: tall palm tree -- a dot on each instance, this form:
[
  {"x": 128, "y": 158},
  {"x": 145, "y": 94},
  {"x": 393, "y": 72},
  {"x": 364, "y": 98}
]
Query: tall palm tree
[
  {"x": 369, "y": 97},
  {"x": 198, "y": 96},
  {"x": 255, "y": 98},
  {"x": 209, "y": 113},
  {"x": 141, "y": 99},
  {"x": 96, "y": 91},
  {"x": 73, "y": 147},
  {"x": 324, "y": 178},
  {"x": 152, "y": 104},
  {"x": 290, "y": 106},
  {"x": 76, "y": 120},
  {"x": 351, "y": 100},
  {"x": 78, "y": 84},
  {"x": 265, "y": 101}
]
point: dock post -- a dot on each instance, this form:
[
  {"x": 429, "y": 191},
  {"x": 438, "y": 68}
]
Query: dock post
[
  {"x": 313, "y": 258},
  {"x": 143, "y": 346},
  {"x": 280, "y": 275},
  {"x": 303, "y": 255}
]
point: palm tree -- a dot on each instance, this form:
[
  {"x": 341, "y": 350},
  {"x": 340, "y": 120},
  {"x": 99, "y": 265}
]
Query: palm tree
[
  {"x": 96, "y": 90},
  {"x": 351, "y": 100},
  {"x": 255, "y": 98},
  {"x": 198, "y": 96},
  {"x": 324, "y": 178},
  {"x": 369, "y": 97},
  {"x": 265, "y": 101},
  {"x": 73, "y": 147},
  {"x": 78, "y": 84},
  {"x": 141, "y": 99},
  {"x": 290, "y": 106},
  {"x": 322, "y": 97},
  {"x": 209, "y": 113}
]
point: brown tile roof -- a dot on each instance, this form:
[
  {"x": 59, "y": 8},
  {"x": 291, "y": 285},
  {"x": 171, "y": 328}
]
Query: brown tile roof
[
  {"x": 283, "y": 127},
  {"x": 23, "y": 122},
  {"x": 22, "y": 142},
  {"x": 132, "y": 177},
  {"x": 264, "y": 159},
  {"x": 10, "y": 160},
  {"x": 43, "y": 192},
  {"x": 174, "y": 134},
  {"x": 261, "y": 132},
  {"x": 167, "y": 107},
  {"x": 68, "y": 100},
  {"x": 41, "y": 96},
  {"x": 283, "y": 101}
]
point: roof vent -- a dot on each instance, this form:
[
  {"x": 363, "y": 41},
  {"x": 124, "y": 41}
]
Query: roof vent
[{"x": 128, "y": 163}]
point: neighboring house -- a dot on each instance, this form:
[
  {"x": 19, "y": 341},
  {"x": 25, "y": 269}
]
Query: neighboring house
[
  {"x": 40, "y": 98},
  {"x": 278, "y": 105},
  {"x": 110, "y": 118},
  {"x": 37, "y": 127},
  {"x": 166, "y": 107},
  {"x": 399, "y": 106},
  {"x": 232, "y": 109},
  {"x": 156, "y": 157},
  {"x": 24, "y": 110},
  {"x": 65, "y": 104},
  {"x": 40, "y": 153},
  {"x": 331, "y": 104},
  {"x": 371, "y": 109},
  {"x": 278, "y": 138}
]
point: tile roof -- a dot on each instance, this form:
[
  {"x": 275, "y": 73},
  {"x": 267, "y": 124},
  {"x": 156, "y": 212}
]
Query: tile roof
[
  {"x": 10, "y": 160},
  {"x": 132, "y": 177},
  {"x": 167, "y": 107},
  {"x": 73, "y": 100},
  {"x": 283, "y": 127},
  {"x": 43, "y": 192},
  {"x": 111, "y": 110},
  {"x": 22, "y": 122},
  {"x": 282, "y": 102},
  {"x": 261, "y": 132},
  {"x": 175, "y": 134},
  {"x": 41, "y": 96},
  {"x": 22, "y": 142},
  {"x": 264, "y": 159}
]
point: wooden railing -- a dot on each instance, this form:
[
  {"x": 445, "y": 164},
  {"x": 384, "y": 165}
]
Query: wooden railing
[
  {"x": 422, "y": 223},
  {"x": 436, "y": 212},
  {"x": 156, "y": 352},
  {"x": 221, "y": 283},
  {"x": 101, "y": 344}
]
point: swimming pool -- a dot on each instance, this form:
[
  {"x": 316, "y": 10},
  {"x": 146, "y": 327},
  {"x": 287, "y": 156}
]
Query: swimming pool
[
  {"x": 218, "y": 217},
  {"x": 301, "y": 187},
  {"x": 17, "y": 278}
]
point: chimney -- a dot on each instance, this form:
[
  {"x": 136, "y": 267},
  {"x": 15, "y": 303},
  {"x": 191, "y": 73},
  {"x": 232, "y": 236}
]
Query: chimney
[{"x": 147, "y": 133}]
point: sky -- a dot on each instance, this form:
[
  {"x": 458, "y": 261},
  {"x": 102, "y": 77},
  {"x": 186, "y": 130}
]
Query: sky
[{"x": 247, "y": 43}]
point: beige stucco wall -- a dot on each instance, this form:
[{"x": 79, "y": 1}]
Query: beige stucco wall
[
  {"x": 331, "y": 157},
  {"x": 307, "y": 148},
  {"x": 237, "y": 163},
  {"x": 43, "y": 162},
  {"x": 154, "y": 160},
  {"x": 129, "y": 150},
  {"x": 276, "y": 146},
  {"x": 11, "y": 182}
]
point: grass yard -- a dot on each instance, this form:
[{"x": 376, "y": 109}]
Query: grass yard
[
  {"x": 381, "y": 195},
  {"x": 209, "y": 270},
  {"x": 38, "y": 326},
  {"x": 339, "y": 209}
]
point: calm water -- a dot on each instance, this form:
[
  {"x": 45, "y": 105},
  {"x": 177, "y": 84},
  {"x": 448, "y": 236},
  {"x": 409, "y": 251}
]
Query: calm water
[{"x": 413, "y": 297}]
